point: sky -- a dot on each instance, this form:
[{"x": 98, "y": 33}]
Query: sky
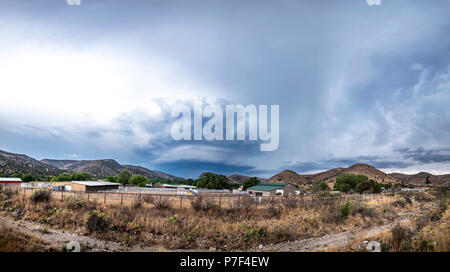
[{"x": 356, "y": 81}]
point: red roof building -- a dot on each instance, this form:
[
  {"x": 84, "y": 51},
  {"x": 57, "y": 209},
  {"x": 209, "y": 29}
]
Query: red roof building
[{"x": 10, "y": 180}]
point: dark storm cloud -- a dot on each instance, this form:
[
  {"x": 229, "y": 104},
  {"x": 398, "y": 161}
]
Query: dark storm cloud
[
  {"x": 426, "y": 155},
  {"x": 350, "y": 79}
]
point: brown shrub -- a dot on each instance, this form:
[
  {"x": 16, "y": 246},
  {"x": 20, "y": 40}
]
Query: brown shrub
[
  {"x": 160, "y": 203},
  {"x": 273, "y": 207},
  {"x": 291, "y": 202}
]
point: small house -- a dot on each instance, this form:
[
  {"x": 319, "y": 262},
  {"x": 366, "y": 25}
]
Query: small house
[{"x": 272, "y": 189}]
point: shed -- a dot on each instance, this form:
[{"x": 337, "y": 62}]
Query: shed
[
  {"x": 92, "y": 186},
  {"x": 10, "y": 180},
  {"x": 271, "y": 189}
]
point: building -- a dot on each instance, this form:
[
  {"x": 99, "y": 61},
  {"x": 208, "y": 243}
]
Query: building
[
  {"x": 89, "y": 186},
  {"x": 10, "y": 180},
  {"x": 180, "y": 186},
  {"x": 272, "y": 189}
]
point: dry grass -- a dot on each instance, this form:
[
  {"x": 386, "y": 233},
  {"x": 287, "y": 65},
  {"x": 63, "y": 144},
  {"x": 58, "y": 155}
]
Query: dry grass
[
  {"x": 13, "y": 241},
  {"x": 240, "y": 224}
]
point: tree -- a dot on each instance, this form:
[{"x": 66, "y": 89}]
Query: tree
[
  {"x": 112, "y": 178},
  {"x": 62, "y": 177},
  {"x": 28, "y": 178},
  {"x": 123, "y": 177},
  {"x": 80, "y": 176},
  {"x": 138, "y": 180},
  {"x": 250, "y": 182},
  {"x": 210, "y": 180},
  {"x": 348, "y": 182},
  {"x": 369, "y": 186}
]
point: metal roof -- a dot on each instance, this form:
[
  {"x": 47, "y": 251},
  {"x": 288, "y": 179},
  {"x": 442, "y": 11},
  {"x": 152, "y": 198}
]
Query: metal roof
[
  {"x": 95, "y": 183},
  {"x": 179, "y": 186},
  {"x": 10, "y": 179},
  {"x": 269, "y": 186}
]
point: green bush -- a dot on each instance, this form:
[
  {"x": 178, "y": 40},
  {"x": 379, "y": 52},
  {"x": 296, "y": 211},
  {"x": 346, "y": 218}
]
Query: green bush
[
  {"x": 138, "y": 180},
  {"x": 111, "y": 178},
  {"x": 348, "y": 182},
  {"x": 40, "y": 196},
  {"x": 250, "y": 182},
  {"x": 123, "y": 177},
  {"x": 81, "y": 176},
  {"x": 74, "y": 203},
  {"x": 96, "y": 221},
  {"x": 28, "y": 178},
  {"x": 61, "y": 177},
  {"x": 210, "y": 180},
  {"x": 368, "y": 186},
  {"x": 345, "y": 210},
  {"x": 318, "y": 186}
]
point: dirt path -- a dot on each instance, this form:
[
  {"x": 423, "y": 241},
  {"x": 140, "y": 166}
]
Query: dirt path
[
  {"x": 338, "y": 240},
  {"x": 58, "y": 238}
]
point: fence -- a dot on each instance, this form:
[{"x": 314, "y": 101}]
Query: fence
[{"x": 130, "y": 197}]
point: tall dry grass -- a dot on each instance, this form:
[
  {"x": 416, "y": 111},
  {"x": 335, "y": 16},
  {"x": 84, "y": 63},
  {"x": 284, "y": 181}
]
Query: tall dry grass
[{"x": 242, "y": 224}]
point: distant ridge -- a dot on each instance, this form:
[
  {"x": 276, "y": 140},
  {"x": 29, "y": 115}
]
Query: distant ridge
[
  {"x": 420, "y": 178},
  {"x": 104, "y": 168},
  {"x": 239, "y": 179},
  {"x": 12, "y": 163},
  {"x": 330, "y": 175}
]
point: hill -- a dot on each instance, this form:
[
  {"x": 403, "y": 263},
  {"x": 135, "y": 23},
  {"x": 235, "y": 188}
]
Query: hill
[
  {"x": 104, "y": 168},
  {"x": 12, "y": 163},
  {"x": 290, "y": 177},
  {"x": 330, "y": 175},
  {"x": 420, "y": 178},
  {"x": 239, "y": 179}
]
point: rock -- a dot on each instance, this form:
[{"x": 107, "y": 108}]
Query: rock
[
  {"x": 261, "y": 246},
  {"x": 373, "y": 246},
  {"x": 212, "y": 249}
]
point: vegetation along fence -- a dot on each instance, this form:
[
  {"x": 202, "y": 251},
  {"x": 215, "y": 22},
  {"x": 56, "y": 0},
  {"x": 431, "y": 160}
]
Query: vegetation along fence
[{"x": 182, "y": 201}]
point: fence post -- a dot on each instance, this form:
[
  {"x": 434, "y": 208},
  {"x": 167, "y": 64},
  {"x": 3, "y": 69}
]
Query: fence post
[
  {"x": 220, "y": 202},
  {"x": 104, "y": 200},
  {"x": 88, "y": 196},
  {"x": 62, "y": 196},
  {"x": 121, "y": 199},
  {"x": 181, "y": 202}
]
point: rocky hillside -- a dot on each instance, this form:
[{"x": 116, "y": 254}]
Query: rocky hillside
[
  {"x": 239, "y": 179},
  {"x": 11, "y": 163},
  {"x": 330, "y": 175},
  {"x": 420, "y": 178},
  {"x": 105, "y": 168},
  {"x": 290, "y": 177}
]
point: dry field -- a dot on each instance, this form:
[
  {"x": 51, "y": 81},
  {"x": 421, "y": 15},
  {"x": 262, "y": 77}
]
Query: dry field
[{"x": 238, "y": 224}]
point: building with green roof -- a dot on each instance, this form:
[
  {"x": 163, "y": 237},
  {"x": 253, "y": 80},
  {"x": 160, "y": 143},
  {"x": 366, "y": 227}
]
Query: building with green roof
[{"x": 272, "y": 189}]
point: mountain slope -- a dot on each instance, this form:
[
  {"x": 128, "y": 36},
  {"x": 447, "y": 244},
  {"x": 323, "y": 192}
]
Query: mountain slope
[
  {"x": 290, "y": 177},
  {"x": 420, "y": 178},
  {"x": 239, "y": 179},
  {"x": 104, "y": 168},
  {"x": 12, "y": 163},
  {"x": 330, "y": 175}
]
